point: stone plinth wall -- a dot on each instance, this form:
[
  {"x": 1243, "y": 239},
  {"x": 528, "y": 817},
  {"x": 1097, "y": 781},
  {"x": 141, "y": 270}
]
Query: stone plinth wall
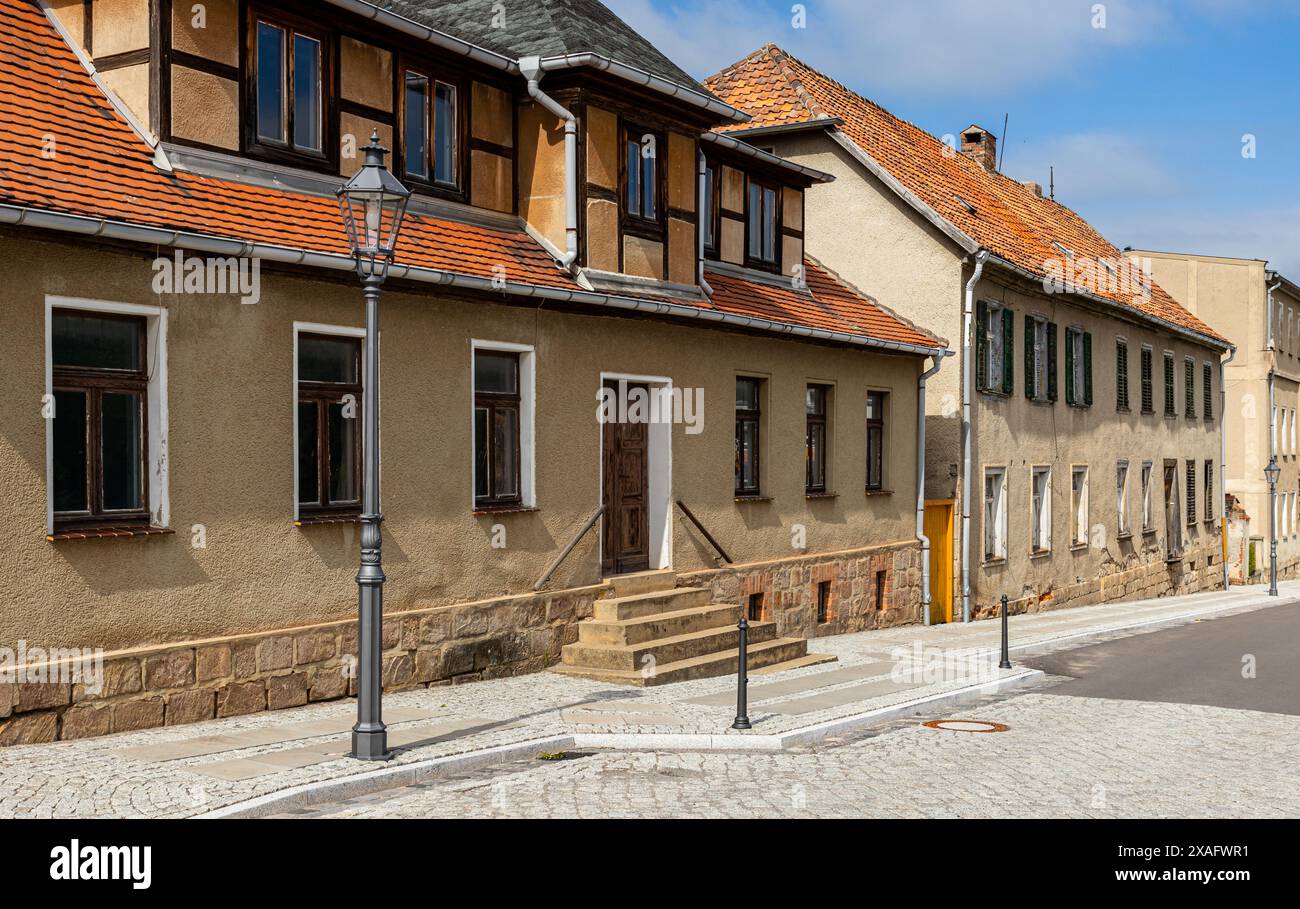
[
  {"x": 201, "y": 680},
  {"x": 789, "y": 589},
  {"x": 1198, "y": 570}
]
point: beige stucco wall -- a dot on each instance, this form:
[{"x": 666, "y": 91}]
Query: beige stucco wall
[
  {"x": 861, "y": 230},
  {"x": 366, "y": 74},
  {"x": 205, "y": 108},
  {"x": 1018, "y": 434},
  {"x": 131, "y": 85},
  {"x": 212, "y": 32},
  {"x": 119, "y": 26},
  {"x": 541, "y": 171},
  {"x": 230, "y": 394},
  {"x": 72, "y": 16},
  {"x": 1231, "y": 295}
]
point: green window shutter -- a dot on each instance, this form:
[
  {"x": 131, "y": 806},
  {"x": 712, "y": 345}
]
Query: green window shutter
[
  {"x": 1008, "y": 351},
  {"x": 1069, "y": 366},
  {"x": 1030, "y": 378},
  {"x": 981, "y": 344},
  {"x": 1051, "y": 361},
  {"x": 1087, "y": 368}
]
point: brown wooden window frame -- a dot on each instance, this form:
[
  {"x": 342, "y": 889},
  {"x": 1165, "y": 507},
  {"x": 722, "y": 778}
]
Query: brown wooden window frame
[
  {"x": 711, "y": 219},
  {"x": 93, "y": 382},
  {"x": 778, "y": 201},
  {"x": 745, "y": 417},
  {"x": 493, "y": 402},
  {"x": 286, "y": 152},
  {"x": 876, "y": 440},
  {"x": 457, "y": 190},
  {"x": 636, "y": 223},
  {"x": 322, "y": 395},
  {"x": 817, "y": 422}
]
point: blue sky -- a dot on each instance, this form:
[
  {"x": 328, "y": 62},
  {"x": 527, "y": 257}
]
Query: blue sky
[{"x": 1142, "y": 117}]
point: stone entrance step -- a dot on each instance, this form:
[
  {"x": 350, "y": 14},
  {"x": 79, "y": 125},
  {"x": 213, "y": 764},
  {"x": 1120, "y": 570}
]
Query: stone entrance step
[
  {"x": 767, "y": 653},
  {"x": 639, "y": 605},
  {"x": 625, "y": 585},
  {"x": 628, "y": 632}
]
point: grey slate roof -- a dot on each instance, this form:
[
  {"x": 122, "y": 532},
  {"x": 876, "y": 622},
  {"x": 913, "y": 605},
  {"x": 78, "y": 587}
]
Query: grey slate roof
[{"x": 545, "y": 28}]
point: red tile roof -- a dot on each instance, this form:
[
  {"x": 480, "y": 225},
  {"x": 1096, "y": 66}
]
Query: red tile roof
[
  {"x": 1009, "y": 219},
  {"x": 100, "y": 168}
]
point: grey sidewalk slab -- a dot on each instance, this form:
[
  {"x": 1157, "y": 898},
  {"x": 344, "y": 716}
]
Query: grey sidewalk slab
[
  {"x": 770, "y": 690},
  {"x": 837, "y": 697}
]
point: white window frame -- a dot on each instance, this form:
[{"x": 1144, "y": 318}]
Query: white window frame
[
  {"x": 994, "y": 347},
  {"x": 1076, "y": 362},
  {"x": 527, "y": 418},
  {"x": 1148, "y": 516},
  {"x": 1121, "y": 496},
  {"x": 1079, "y": 507},
  {"x": 156, "y": 351},
  {"x": 1292, "y": 448},
  {"x": 1040, "y": 357},
  {"x": 341, "y": 331},
  {"x": 995, "y": 546},
  {"x": 1040, "y": 510}
]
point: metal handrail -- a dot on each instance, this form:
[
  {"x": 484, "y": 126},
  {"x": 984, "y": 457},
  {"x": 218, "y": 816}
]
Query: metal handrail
[
  {"x": 708, "y": 536},
  {"x": 591, "y": 521}
]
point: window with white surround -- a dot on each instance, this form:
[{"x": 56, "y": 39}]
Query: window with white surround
[
  {"x": 1079, "y": 506},
  {"x": 1148, "y": 517},
  {"x": 1273, "y": 426},
  {"x": 328, "y": 370},
  {"x": 106, "y": 415},
  {"x": 1041, "y": 511},
  {"x": 503, "y": 413},
  {"x": 1121, "y": 496},
  {"x": 995, "y": 513},
  {"x": 1292, "y": 449}
]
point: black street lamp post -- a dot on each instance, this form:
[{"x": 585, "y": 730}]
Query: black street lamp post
[{"x": 373, "y": 204}]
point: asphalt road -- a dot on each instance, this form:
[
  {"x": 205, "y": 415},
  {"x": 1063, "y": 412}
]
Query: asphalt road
[{"x": 1206, "y": 662}]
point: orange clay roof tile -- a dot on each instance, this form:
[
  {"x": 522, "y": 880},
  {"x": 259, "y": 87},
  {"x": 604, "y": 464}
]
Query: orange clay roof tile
[
  {"x": 1009, "y": 219},
  {"x": 64, "y": 148}
]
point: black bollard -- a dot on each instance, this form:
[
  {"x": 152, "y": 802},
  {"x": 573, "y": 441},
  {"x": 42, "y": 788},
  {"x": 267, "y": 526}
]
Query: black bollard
[
  {"x": 742, "y": 677},
  {"x": 1006, "y": 653}
]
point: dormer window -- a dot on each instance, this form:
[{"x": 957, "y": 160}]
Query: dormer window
[
  {"x": 429, "y": 129},
  {"x": 641, "y": 174},
  {"x": 289, "y": 89},
  {"x": 761, "y": 219}
]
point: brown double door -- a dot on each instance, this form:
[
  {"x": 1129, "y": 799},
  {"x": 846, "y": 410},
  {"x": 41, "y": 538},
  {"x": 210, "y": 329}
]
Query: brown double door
[{"x": 625, "y": 448}]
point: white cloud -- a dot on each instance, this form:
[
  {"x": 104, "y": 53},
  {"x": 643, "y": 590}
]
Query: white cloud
[
  {"x": 1096, "y": 165},
  {"x": 930, "y": 47},
  {"x": 1272, "y": 234}
]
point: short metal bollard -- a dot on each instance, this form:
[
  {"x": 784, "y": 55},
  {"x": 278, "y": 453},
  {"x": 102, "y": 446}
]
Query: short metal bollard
[
  {"x": 1006, "y": 652},
  {"x": 742, "y": 677}
]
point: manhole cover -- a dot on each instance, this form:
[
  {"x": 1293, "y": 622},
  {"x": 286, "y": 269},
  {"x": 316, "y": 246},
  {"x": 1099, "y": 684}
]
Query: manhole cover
[{"x": 967, "y": 726}]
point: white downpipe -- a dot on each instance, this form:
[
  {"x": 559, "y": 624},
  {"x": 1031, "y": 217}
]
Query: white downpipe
[
  {"x": 920, "y": 484},
  {"x": 531, "y": 67},
  {"x": 1223, "y": 456},
  {"x": 968, "y": 383},
  {"x": 699, "y": 264}
]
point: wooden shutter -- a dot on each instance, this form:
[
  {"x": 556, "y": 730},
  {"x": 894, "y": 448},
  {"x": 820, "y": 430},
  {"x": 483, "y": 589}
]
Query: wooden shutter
[
  {"x": 1008, "y": 351},
  {"x": 1087, "y": 368},
  {"x": 1069, "y": 366},
  {"x": 1207, "y": 381},
  {"x": 1030, "y": 376},
  {"x": 981, "y": 344},
  {"x": 1051, "y": 361}
]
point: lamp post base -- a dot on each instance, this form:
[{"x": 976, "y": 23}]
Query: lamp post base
[{"x": 371, "y": 746}]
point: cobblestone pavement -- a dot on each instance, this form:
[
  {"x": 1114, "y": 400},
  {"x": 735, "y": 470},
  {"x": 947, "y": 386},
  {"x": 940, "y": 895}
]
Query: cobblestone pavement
[
  {"x": 1060, "y": 757},
  {"x": 101, "y": 777}
]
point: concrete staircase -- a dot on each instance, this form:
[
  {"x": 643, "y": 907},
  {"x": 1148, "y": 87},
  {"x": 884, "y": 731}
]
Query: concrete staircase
[{"x": 651, "y": 632}]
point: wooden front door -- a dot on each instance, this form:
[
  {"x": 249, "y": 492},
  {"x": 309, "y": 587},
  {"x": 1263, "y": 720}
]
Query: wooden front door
[
  {"x": 626, "y": 479},
  {"x": 938, "y": 527}
]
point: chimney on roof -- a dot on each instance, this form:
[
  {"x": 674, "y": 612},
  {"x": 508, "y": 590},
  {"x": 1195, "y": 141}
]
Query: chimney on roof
[
  {"x": 978, "y": 144},
  {"x": 1035, "y": 188}
]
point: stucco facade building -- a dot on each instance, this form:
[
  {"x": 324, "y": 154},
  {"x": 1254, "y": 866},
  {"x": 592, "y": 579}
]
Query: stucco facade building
[
  {"x": 1073, "y": 448},
  {"x": 180, "y": 459},
  {"x": 1259, "y": 311}
]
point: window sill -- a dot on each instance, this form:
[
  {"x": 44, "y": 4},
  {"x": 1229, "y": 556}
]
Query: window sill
[
  {"x": 504, "y": 509},
  {"x": 879, "y": 492},
  {"x": 995, "y": 563},
  {"x": 314, "y": 519},
  {"x": 821, "y": 495},
  {"x": 1040, "y": 554},
  {"x": 108, "y": 532},
  {"x": 742, "y": 500},
  {"x": 1123, "y": 536},
  {"x": 1078, "y": 547},
  {"x": 1148, "y": 531}
]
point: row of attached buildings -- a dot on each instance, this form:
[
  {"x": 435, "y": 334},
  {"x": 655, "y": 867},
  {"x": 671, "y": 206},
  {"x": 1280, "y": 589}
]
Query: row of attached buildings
[{"x": 888, "y": 384}]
